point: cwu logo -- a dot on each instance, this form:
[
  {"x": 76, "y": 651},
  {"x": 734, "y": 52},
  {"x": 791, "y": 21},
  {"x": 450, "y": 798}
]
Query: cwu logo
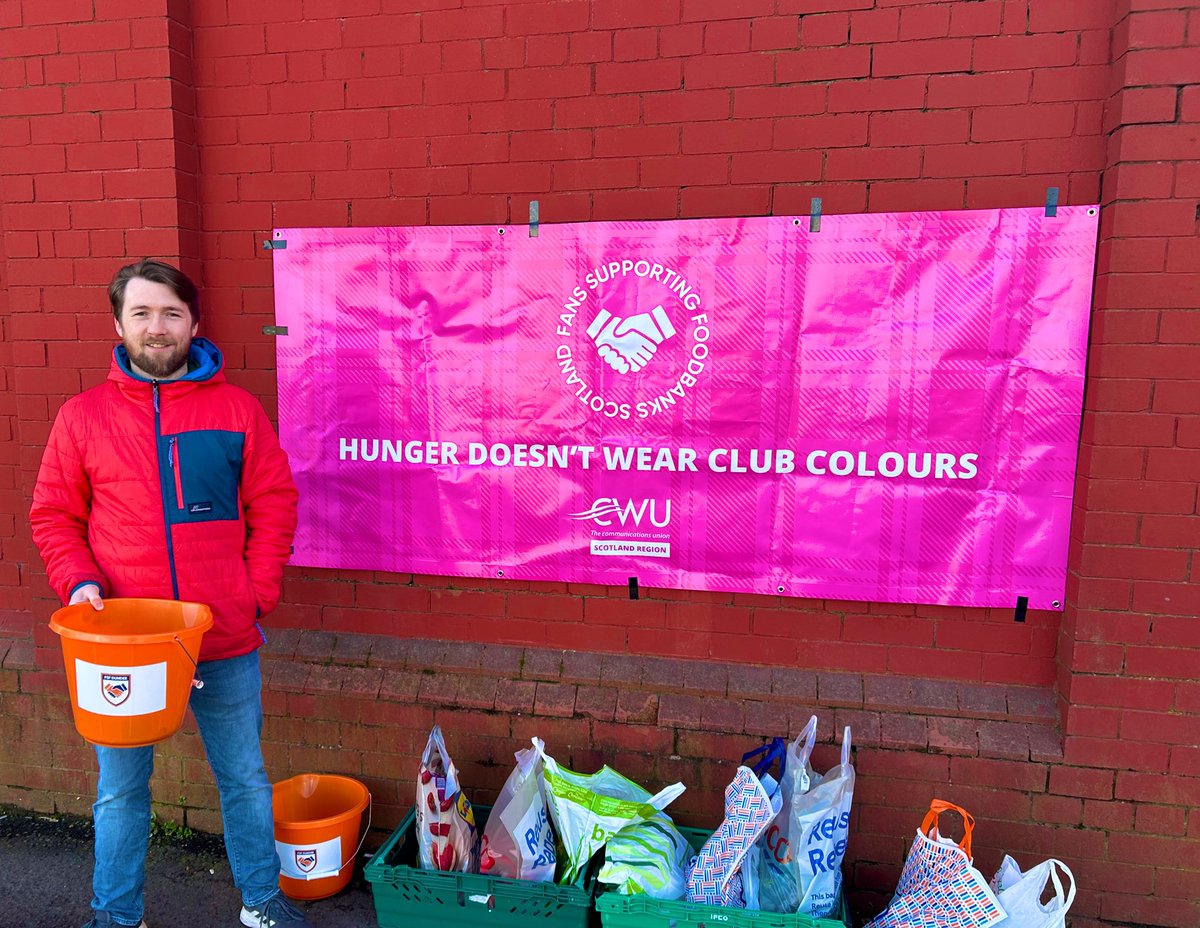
[
  {"x": 603, "y": 510},
  {"x": 306, "y": 860},
  {"x": 115, "y": 687}
]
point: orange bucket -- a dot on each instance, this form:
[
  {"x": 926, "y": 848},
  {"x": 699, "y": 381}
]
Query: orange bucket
[
  {"x": 317, "y": 822},
  {"x": 130, "y": 666}
]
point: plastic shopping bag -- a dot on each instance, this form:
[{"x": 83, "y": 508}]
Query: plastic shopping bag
[
  {"x": 750, "y": 876},
  {"x": 446, "y": 835},
  {"x": 818, "y": 830},
  {"x": 518, "y": 842},
  {"x": 647, "y": 857},
  {"x": 589, "y": 809},
  {"x": 715, "y": 877},
  {"x": 770, "y": 756},
  {"x": 939, "y": 886},
  {"x": 777, "y": 878},
  {"x": 1020, "y": 894}
]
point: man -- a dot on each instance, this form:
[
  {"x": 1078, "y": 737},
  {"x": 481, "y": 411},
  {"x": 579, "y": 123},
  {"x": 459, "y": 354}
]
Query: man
[{"x": 167, "y": 482}]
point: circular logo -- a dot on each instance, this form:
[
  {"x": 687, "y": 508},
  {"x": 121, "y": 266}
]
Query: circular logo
[{"x": 647, "y": 323}]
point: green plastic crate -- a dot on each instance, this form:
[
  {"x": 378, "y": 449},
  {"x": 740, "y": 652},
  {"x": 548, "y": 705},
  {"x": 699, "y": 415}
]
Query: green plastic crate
[
  {"x": 407, "y": 896},
  {"x": 621, "y": 911}
]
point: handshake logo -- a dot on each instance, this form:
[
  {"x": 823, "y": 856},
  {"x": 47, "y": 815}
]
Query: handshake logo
[{"x": 628, "y": 343}]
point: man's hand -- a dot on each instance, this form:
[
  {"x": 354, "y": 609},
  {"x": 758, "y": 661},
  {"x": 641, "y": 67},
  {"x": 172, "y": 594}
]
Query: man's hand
[
  {"x": 89, "y": 592},
  {"x": 629, "y": 344}
]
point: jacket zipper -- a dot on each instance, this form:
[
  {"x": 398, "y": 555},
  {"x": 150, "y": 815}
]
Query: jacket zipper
[
  {"x": 163, "y": 493},
  {"x": 173, "y": 459}
]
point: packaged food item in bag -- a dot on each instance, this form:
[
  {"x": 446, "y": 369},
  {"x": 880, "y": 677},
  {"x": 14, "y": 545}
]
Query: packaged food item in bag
[
  {"x": 518, "y": 842},
  {"x": 647, "y": 857},
  {"x": 588, "y": 809},
  {"x": 446, "y": 834}
]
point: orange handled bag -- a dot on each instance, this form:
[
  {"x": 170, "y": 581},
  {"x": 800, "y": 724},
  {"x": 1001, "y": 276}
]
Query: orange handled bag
[{"x": 939, "y": 887}]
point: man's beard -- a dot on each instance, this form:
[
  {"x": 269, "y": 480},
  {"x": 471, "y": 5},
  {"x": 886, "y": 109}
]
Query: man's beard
[{"x": 158, "y": 364}]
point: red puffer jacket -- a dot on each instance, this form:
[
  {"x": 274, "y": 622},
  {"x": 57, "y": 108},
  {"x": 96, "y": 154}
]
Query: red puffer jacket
[{"x": 172, "y": 489}]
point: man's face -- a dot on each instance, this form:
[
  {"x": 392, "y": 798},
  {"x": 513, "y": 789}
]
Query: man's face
[{"x": 156, "y": 328}]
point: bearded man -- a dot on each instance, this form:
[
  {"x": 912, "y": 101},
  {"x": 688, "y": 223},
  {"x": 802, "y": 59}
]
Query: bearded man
[{"x": 167, "y": 482}]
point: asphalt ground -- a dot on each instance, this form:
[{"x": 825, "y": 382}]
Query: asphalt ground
[{"x": 47, "y": 877}]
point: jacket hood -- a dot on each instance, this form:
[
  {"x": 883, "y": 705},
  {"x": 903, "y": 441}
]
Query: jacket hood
[{"x": 205, "y": 362}]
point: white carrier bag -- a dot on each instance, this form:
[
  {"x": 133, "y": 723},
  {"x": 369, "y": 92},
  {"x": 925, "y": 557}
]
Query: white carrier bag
[
  {"x": 818, "y": 829},
  {"x": 777, "y": 879},
  {"x": 1020, "y": 894},
  {"x": 518, "y": 842}
]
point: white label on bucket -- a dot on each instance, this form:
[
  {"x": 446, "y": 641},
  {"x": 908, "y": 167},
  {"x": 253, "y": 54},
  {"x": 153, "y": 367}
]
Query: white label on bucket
[
  {"x": 310, "y": 861},
  {"x": 121, "y": 691}
]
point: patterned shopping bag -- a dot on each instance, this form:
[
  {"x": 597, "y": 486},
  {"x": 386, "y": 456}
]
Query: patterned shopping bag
[
  {"x": 939, "y": 888},
  {"x": 715, "y": 875}
]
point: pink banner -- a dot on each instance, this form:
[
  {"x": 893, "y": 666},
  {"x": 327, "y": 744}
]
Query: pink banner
[{"x": 886, "y": 409}]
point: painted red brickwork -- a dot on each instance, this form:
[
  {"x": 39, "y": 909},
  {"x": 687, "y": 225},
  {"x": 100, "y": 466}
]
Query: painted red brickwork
[{"x": 189, "y": 130}]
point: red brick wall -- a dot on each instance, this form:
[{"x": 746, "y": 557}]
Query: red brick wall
[{"x": 189, "y": 130}]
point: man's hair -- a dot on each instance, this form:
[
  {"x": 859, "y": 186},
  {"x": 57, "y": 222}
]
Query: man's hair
[{"x": 159, "y": 273}]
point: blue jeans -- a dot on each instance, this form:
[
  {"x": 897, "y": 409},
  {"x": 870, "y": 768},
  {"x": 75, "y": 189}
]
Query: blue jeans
[{"x": 228, "y": 712}]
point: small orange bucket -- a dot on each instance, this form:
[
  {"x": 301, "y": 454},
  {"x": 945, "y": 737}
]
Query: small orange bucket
[
  {"x": 130, "y": 666},
  {"x": 318, "y": 818}
]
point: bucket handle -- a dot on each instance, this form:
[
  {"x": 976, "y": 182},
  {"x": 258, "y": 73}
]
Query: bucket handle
[
  {"x": 196, "y": 681},
  {"x": 353, "y": 857}
]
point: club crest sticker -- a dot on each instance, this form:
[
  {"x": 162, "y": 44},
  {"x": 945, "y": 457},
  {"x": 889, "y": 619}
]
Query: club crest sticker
[
  {"x": 647, "y": 323},
  {"x": 121, "y": 692},
  {"x": 115, "y": 687},
  {"x": 306, "y": 860}
]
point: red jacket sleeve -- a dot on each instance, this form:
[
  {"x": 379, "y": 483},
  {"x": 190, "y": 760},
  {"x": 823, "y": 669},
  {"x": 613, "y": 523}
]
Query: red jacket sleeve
[
  {"x": 269, "y": 500},
  {"x": 59, "y": 516}
]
